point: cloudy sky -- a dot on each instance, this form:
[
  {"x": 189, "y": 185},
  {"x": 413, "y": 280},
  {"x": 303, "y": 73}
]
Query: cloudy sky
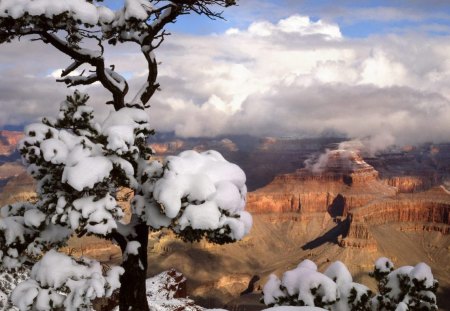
[{"x": 361, "y": 69}]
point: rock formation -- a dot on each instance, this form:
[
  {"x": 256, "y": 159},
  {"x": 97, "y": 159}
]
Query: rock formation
[
  {"x": 171, "y": 147},
  {"x": 343, "y": 185},
  {"x": 428, "y": 213},
  {"x": 411, "y": 184},
  {"x": 8, "y": 171},
  {"x": 17, "y": 189},
  {"x": 9, "y": 141}
]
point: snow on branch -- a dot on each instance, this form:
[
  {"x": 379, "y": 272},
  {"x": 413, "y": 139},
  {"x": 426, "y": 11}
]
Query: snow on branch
[
  {"x": 77, "y": 53},
  {"x": 79, "y": 80},
  {"x": 76, "y": 161},
  {"x": 71, "y": 68},
  {"x": 117, "y": 80},
  {"x": 58, "y": 280},
  {"x": 197, "y": 195},
  {"x": 413, "y": 288},
  {"x": 25, "y": 233}
]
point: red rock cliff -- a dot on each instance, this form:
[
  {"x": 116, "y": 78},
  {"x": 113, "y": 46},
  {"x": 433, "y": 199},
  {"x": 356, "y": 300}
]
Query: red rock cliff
[
  {"x": 343, "y": 180},
  {"x": 344, "y": 187},
  {"x": 9, "y": 141}
]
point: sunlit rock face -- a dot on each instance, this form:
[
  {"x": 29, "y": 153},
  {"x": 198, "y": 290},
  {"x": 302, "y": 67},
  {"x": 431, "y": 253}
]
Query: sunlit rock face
[
  {"x": 341, "y": 186},
  {"x": 337, "y": 184},
  {"x": 412, "y": 184},
  {"x": 10, "y": 166},
  {"x": 17, "y": 188},
  {"x": 428, "y": 211},
  {"x": 9, "y": 141}
]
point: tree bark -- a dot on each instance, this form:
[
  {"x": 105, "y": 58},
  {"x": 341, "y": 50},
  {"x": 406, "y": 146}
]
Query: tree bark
[{"x": 133, "y": 291}]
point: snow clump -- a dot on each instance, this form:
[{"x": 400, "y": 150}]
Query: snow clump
[
  {"x": 58, "y": 280},
  {"x": 195, "y": 191}
]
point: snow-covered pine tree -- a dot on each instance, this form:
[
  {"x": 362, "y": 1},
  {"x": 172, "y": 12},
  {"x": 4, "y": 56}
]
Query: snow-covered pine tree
[{"x": 80, "y": 164}]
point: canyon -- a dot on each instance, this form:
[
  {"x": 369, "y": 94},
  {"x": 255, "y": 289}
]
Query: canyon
[{"x": 339, "y": 205}]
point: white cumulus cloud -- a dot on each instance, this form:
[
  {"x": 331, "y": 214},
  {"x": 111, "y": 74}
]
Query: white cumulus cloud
[{"x": 296, "y": 76}]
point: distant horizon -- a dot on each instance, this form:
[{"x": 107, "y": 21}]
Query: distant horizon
[{"x": 163, "y": 137}]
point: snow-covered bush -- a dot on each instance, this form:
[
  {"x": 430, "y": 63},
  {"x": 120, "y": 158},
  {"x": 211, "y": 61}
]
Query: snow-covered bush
[
  {"x": 60, "y": 281},
  {"x": 302, "y": 286},
  {"x": 352, "y": 296},
  {"x": 407, "y": 288},
  {"x": 80, "y": 164}
]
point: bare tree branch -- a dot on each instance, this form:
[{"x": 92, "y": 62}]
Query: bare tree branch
[
  {"x": 94, "y": 59},
  {"x": 148, "y": 33},
  {"x": 71, "y": 68},
  {"x": 79, "y": 80}
]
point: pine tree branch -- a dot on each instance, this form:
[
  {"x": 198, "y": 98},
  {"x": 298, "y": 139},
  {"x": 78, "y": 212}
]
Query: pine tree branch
[
  {"x": 71, "y": 68},
  {"x": 79, "y": 80},
  {"x": 94, "y": 59}
]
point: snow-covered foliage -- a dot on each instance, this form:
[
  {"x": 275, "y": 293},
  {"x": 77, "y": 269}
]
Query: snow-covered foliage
[
  {"x": 196, "y": 194},
  {"x": 79, "y": 166},
  {"x": 407, "y": 288},
  {"x": 353, "y": 296},
  {"x": 302, "y": 286},
  {"x": 23, "y": 230},
  {"x": 164, "y": 292},
  {"x": 383, "y": 266},
  {"x": 58, "y": 280},
  {"x": 86, "y": 13},
  {"x": 78, "y": 174},
  {"x": 8, "y": 281}
]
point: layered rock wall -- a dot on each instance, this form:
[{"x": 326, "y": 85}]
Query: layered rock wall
[
  {"x": 412, "y": 184},
  {"x": 359, "y": 236},
  {"x": 306, "y": 192},
  {"x": 347, "y": 189},
  {"x": 403, "y": 210},
  {"x": 420, "y": 214}
]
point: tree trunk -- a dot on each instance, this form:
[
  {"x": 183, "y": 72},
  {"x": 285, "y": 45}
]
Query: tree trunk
[{"x": 132, "y": 291}]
